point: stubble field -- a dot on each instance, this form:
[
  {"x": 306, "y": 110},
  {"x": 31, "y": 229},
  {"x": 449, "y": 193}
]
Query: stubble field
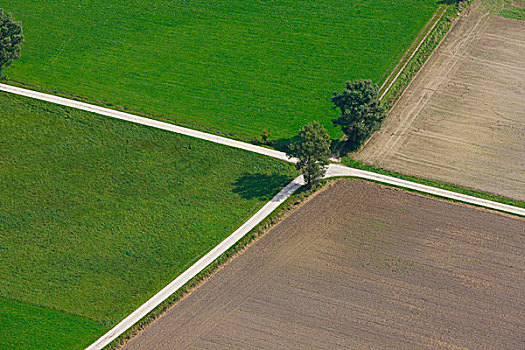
[
  {"x": 462, "y": 120},
  {"x": 362, "y": 266}
]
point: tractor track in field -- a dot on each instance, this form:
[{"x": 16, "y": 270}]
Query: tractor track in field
[
  {"x": 462, "y": 119},
  {"x": 334, "y": 170},
  {"x": 391, "y": 270}
]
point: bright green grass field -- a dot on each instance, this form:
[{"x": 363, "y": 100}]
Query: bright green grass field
[
  {"x": 227, "y": 66},
  {"x": 98, "y": 214}
]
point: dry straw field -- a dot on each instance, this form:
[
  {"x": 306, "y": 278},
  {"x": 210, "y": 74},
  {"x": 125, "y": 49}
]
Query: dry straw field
[{"x": 463, "y": 118}]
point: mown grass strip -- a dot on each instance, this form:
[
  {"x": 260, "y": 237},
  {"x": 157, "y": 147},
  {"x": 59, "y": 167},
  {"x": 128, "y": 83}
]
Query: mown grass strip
[
  {"x": 446, "y": 186},
  {"x": 27, "y": 326},
  {"x": 412, "y": 50},
  {"x": 423, "y": 53}
]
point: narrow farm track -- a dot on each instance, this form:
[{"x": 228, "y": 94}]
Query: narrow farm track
[
  {"x": 362, "y": 266},
  {"x": 200, "y": 265},
  {"x": 462, "y": 119},
  {"x": 144, "y": 121},
  {"x": 334, "y": 170},
  {"x": 405, "y": 60}
]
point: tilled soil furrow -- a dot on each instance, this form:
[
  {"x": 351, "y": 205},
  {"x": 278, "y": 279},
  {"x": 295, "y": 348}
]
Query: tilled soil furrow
[
  {"x": 462, "y": 120},
  {"x": 360, "y": 266}
]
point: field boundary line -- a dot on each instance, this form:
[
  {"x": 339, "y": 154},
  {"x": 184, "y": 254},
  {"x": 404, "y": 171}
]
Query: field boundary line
[
  {"x": 412, "y": 55},
  {"x": 403, "y": 58},
  {"x": 332, "y": 169},
  {"x": 413, "y": 78},
  {"x": 336, "y": 170},
  {"x": 452, "y": 25},
  {"x": 406, "y": 64},
  {"x": 452, "y": 61},
  {"x": 144, "y": 121},
  {"x": 200, "y": 265}
]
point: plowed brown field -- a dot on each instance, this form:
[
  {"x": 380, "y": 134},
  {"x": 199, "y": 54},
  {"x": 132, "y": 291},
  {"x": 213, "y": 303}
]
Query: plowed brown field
[
  {"x": 462, "y": 120},
  {"x": 363, "y": 266}
]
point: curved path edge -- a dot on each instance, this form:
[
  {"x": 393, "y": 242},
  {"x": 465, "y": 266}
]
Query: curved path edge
[
  {"x": 200, "y": 265},
  {"x": 334, "y": 170},
  {"x": 144, "y": 121}
]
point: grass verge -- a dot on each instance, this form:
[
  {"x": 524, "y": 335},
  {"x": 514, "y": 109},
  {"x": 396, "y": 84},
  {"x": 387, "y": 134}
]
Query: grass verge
[
  {"x": 423, "y": 53},
  {"x": 514, "y": 9},
  {"x": 407, "y": 56},
  {"x": 291, "y": 204},
  {"x": 444, "y": 19},
  {"x": 279, "y": 214},
  {"x": 446, "y": 186}
]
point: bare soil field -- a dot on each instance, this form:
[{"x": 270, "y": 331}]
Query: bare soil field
[
  {"x": 362, "y": 266},
  {"x": 462, "y": 120}
]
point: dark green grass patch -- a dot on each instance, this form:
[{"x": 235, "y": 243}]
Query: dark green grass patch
[
  {"x": 27, "y": 326},
  {"x": 228, "y": 66},
  {"x": 98, "y": 214}
]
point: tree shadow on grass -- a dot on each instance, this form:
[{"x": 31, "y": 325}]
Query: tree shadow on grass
[
  {"x": 282, "y": 144},
  {"x": 350, "y": 147},
  {"x": 259, "y": 186}
]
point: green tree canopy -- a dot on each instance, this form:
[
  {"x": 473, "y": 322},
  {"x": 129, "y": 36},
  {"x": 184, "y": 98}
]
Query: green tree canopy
[
  {"x": 361, "y": 110},
  {"x": 265, "y": 135},
  {"x": 313, "y": 150},
  {"x": 11, "y": 39}
]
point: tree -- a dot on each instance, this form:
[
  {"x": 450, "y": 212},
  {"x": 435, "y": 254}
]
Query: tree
[
  {"x": 361, "y": 110},
  {"x": 312, "y": 149},
  {"x": 11, "y": 39},
  {"x": 265, "y": 135}
]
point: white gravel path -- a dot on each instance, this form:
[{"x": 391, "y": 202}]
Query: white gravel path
[
  {"x": 334, "y": 170},
  {"x": 200, "y": 265},
  {"x": 144, "y": 121}
]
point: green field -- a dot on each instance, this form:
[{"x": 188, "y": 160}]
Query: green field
[
  {"x": 98, "y": 214},
  {"x": 27, "y": 326},
  {"x": 226, "y": 66},
  {"x": 514, "y": 9}
]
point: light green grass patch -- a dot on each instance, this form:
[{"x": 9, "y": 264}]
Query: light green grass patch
[
  {"x": 228, "y": 66},
  {"x": 514, "y": 9},
  {"x": 507, "y": 8},
  {"x": 98, "y": 214}
]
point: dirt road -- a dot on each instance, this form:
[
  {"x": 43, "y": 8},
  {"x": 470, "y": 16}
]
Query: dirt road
[
  {"x": 462, "y": 120},
  {"x": 363, "y": 266}
]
